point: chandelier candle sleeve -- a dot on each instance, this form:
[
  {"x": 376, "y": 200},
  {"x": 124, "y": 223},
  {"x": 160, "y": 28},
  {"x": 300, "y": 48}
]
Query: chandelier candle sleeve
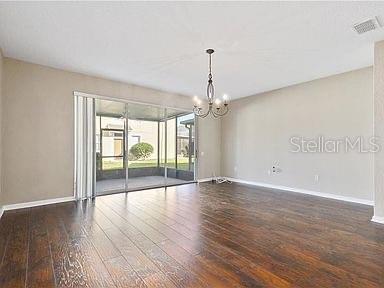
[
  {"x": 220, "y": 108},
  {"x": 225, "y": 98}
]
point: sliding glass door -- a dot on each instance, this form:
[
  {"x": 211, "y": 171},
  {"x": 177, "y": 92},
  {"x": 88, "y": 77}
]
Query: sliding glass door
[{"x": 142, "y": 146}]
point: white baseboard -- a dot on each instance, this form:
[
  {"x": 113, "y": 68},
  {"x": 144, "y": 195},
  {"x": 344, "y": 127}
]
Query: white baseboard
[
  {"x": 1, "y": 211},
  {"x": 378, "y": 219},
  {"x": 204, "y": 180},
  {"x": 304, "y": 191},
  {"x": 37, "y": 203}
]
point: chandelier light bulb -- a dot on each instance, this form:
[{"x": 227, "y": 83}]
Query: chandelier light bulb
[
  {"x": 197, "y": 101},
  {"x": 225, "y": 97},
  {"x": 217, "y": 102}
]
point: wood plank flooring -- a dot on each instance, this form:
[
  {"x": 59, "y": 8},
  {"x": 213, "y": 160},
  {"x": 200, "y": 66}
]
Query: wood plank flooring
[{"x": 196, "y": 235}]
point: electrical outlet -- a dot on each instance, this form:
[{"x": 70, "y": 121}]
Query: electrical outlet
[
  {"x": 316, "y": 178},
  {"x": 275, "y": 169}
]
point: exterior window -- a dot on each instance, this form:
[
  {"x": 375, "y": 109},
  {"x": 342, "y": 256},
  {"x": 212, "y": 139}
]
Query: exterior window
[
  {"x": 135, "y": 139},
  {"x": 109, "y": 143}
]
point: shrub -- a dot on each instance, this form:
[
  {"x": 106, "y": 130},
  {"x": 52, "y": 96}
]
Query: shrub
[{"x": 141, "y": 150}]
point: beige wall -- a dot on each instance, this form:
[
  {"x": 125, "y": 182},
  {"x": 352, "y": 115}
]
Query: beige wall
[
  {"x": 38, "y": 128},
  {"x": 379, "y": 127},
  {"x": 1, "y": 97},
  {"x": 256, "y": 133},
  {"x": 38, "y": 132},
  {"x": 211, "y": 145}
]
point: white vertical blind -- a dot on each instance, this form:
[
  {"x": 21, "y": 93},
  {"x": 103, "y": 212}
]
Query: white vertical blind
[{"x": 84, "y": 147}]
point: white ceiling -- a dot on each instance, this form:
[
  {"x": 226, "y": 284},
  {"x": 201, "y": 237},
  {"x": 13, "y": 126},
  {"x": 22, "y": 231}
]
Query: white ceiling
[{"x": 260, "y": 46}]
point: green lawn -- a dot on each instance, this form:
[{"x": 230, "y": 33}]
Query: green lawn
[{"x": 109, "y": 164}]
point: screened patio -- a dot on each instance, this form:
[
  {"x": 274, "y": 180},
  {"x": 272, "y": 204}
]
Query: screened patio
[{"x": 140, "y": 146}]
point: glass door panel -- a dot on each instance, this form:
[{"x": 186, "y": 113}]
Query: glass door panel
[
  {"x": 185, "y": 147},
  {"x": 144, "y": 147},
  {"x": 180, "y": 147},
  {"x": 162, "y": 144},
  {"x": 110, "y": 147}
]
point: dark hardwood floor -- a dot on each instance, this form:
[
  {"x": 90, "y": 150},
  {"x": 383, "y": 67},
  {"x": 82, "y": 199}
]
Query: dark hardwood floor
[{"x": 193, "y": 236}]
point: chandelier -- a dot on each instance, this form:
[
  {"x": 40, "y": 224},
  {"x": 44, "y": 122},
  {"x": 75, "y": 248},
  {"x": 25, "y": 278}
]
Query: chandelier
[{"x": 216, "y": 108}]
